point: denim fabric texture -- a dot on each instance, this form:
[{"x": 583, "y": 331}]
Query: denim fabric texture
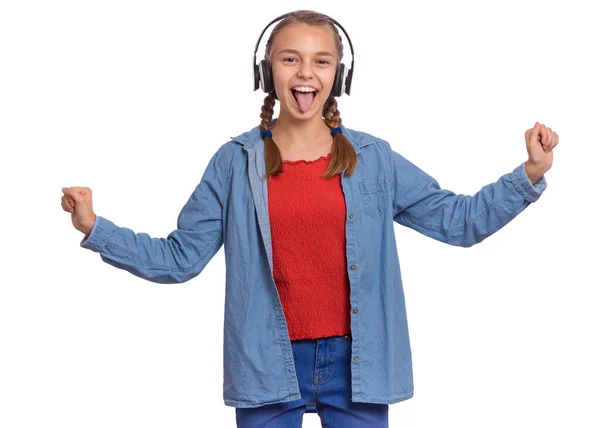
[
  {"x": 229, "y": 207},
  {"x": 323, "y": 368}
]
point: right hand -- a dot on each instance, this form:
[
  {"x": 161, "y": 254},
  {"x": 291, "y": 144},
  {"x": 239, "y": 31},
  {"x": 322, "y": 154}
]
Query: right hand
[{"x": 78, "y": 202}]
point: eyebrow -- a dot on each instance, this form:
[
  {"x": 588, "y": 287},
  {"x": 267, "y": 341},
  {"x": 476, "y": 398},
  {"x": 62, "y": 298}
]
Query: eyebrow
[{"x": 296, "y": 52}]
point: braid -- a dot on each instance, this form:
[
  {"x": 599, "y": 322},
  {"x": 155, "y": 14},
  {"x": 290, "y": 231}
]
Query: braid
[
  {"x": 331, "y": 113},
  {"x": 267, "y": 112},
  {"x": 272, "y": 154},
  {"x": 342, "y": 148}
]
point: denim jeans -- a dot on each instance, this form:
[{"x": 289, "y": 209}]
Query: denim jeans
[{"x": 323, "y": 369}]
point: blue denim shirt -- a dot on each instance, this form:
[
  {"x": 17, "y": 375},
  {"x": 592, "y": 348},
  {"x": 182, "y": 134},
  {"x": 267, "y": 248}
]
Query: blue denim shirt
[{"x": 229, "y": 206}]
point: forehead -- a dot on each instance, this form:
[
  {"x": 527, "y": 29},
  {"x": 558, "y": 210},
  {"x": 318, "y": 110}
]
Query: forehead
[{"x": 305, "y": 39}]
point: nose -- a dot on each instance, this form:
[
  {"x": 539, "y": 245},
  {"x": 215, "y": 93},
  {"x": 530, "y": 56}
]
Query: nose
[{"x": 306, "y": 71}]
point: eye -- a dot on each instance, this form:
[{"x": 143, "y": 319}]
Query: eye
[
  {"x": 286, "y": 59},
  {"x": 322, "y": 61}
]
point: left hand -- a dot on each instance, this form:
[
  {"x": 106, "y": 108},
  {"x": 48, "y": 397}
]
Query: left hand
[{"x": 540, "y": 141}]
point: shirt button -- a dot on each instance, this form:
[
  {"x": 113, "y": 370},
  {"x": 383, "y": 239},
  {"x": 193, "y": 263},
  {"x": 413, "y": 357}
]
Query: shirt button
[
  {"x": 351, "y": 216},
  {"x": 355, "y": 310},
  {"x": 353, "y": 267},
  {"x": 355, "y": 358}
]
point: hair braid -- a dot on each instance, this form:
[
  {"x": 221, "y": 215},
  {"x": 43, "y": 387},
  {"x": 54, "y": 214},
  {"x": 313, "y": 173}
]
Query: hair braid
[
  {"x": 342, "y": 148},
  {"x": 272, "y": 154}
]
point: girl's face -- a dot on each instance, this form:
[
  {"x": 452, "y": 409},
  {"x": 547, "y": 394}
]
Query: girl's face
[{"x": 303, "y": 55}]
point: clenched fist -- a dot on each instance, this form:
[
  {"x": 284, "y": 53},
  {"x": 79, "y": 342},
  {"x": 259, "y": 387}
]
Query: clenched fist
[
  {"x": 78, "y": 201},
  {"x": 540, "y": 141}
]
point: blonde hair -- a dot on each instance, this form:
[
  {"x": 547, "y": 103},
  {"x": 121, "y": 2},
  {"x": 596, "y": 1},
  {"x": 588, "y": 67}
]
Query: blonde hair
[{"x": 343, "y": 155}]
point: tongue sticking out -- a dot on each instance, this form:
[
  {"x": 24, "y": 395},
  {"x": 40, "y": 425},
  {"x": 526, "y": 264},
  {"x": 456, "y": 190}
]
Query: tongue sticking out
[{"x": 305, "y": 100}]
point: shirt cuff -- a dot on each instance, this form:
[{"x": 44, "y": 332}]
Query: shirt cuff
[
  {"x": 530, "y": 192},
  {"x": 99, "y": 235}
]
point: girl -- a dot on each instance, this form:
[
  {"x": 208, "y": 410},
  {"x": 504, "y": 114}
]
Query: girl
[{"x": 305, "y": 207}]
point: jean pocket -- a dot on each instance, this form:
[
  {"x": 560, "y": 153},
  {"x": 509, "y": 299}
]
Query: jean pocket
[{"x": 372, "y": 195}]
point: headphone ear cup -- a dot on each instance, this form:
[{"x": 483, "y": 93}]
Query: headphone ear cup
[
  {"x": 348, "y": 82},
  {"x": 338, "y": 86},
  {"x": 266, "y": 80},
  {"x": 256, "y": 77}
]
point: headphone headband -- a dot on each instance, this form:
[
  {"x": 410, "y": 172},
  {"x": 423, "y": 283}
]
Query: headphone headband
[{"x": 261, "y": 74}]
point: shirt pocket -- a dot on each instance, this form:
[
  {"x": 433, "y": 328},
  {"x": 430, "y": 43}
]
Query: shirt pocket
[{"x": 372, "y": 196}]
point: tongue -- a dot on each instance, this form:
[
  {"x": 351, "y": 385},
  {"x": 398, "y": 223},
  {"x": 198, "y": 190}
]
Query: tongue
[{"x": 305, "y": 100}]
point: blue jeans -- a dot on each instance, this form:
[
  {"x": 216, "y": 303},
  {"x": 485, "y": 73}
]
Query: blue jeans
[{"x": 324, "y": 377}]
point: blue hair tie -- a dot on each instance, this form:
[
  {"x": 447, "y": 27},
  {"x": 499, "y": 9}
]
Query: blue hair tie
[
  {"x": 267, "y": 133},
  {"x": 336, "y": 130}
]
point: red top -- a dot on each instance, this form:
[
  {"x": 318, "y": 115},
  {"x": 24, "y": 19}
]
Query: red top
[{"x": 307, "y": 214}]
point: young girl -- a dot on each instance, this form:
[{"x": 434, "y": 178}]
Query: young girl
[{"x": 305, "y": 207}]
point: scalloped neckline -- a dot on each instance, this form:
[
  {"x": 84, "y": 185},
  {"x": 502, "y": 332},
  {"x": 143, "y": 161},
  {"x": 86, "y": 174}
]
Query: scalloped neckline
[{"x": 294, "y": 162}]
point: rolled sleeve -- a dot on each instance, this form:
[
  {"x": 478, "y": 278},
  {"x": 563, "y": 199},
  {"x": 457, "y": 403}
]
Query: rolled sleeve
[
  {"x": 530, "y": 192},
  {"x": 99, "y": 236}
]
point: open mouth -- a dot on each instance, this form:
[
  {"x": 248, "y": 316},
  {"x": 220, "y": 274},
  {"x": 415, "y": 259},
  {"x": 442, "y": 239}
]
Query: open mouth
[{"x": 304, "y": 100}]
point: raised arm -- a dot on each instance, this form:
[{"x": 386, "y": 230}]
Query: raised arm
[
  {"x": 185, "y": 252},
  {"x": 464, "y": 220}
]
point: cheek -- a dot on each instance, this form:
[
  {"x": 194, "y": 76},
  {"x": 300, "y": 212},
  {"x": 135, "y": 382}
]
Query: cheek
[{"x": 327, "y": 80}]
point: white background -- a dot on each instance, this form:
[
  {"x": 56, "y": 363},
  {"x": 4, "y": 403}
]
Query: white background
[{"x": 132, "y": 98}]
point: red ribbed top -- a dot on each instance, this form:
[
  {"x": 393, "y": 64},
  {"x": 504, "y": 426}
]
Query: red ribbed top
[{"x": 308, "y": 215}]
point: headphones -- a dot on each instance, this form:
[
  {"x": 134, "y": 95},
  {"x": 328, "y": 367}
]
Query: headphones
[{"x": 264, "y": 77}]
